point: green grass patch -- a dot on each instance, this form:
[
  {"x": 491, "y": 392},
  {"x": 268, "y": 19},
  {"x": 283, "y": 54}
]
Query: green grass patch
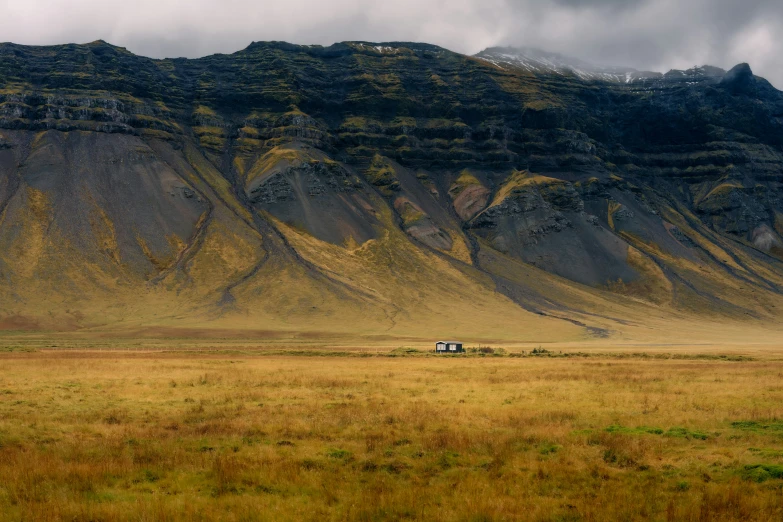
[
  {"x": 640, "y": 430},
  {"x": 676, "y": 432},
  {"x": 759, "y": 426},
  {"x": 767, "y": 453},
  {"x": 341, "y": 454},
  {"x": 762, "y": 472},
  {"x": 548, "y": 448},
  {"x": 16, "y": 349},
  {"x": 402, "y": 350},
  {"x": 685, "y": 433}
]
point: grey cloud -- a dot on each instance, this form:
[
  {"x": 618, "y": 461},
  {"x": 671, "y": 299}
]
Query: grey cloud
[
  {"x": 646, "y": 34},
  {"x": 591, "y": 4}
]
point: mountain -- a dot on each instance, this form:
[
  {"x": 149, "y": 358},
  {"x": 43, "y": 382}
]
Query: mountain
[
  {"x": 537, "y": 61},
  {"x": 392, "y": 189},
  {"x": 540, "y": 62}
]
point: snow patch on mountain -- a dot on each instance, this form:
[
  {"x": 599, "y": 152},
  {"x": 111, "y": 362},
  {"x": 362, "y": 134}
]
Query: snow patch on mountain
[{"x": 537, "y": 61}]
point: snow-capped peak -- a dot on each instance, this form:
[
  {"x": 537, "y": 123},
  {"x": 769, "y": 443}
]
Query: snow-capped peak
[{"x": 542, "y": 62}]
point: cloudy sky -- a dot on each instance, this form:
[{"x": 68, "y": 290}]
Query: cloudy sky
[{"x": 647, "y": 34}]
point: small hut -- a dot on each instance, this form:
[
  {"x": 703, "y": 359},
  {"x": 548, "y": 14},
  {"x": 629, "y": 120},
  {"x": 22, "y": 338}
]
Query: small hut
[{"x": 448, "y": 347}]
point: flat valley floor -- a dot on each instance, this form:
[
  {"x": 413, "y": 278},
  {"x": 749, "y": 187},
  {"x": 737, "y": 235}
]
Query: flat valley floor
[{"x": 388, "y": 434}]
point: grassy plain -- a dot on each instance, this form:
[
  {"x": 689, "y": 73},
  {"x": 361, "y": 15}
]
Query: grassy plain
[{"x": 379, "y": 435}]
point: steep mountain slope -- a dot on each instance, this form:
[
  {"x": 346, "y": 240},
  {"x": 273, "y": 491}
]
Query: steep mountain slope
[{"x": 397, "y": 189}]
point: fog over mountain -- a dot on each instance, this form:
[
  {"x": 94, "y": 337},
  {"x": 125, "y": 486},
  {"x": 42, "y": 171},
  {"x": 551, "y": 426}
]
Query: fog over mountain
[{"x": 645, "y": 34}]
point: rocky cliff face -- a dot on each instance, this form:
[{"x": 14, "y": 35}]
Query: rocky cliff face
[{"x": 285, "y": 183}]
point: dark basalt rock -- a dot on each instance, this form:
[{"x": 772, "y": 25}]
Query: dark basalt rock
[
  {"x": 535, "y": 212},
  {"x": 319, "y": 177},
  {"x": 274, "y": 190},
  {"x": 739, "y": 79},
  {"x": 563, "y": 197},
  {"x": 623, "y": 214},
  {"x": 679, "y": 236}
]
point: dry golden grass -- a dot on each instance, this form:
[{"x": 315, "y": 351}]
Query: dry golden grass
[{"x": 178, "y": 436}]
